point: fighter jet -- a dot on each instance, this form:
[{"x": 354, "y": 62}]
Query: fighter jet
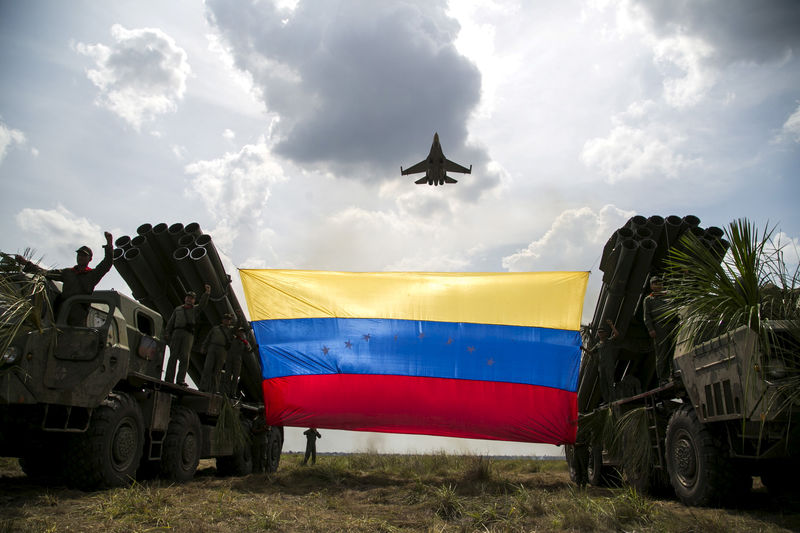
[{"x": 435, "y": 167}]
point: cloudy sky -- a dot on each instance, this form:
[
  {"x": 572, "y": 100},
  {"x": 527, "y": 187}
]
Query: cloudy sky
[{"x": 280, "y": 127}]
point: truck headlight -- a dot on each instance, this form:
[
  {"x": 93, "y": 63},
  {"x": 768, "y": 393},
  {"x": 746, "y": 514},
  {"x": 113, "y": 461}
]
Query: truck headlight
[{"x": 10, "y": 356}]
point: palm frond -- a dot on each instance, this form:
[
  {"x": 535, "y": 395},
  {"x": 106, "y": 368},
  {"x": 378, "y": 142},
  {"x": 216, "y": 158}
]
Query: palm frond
[
  {"x": 597, "y": 427},
  {"x": 630, "y": 441},
  {"x": 24, "y": 300},
  {"x": 229, "y": 428},
  {"x": 752, "y": 286}
]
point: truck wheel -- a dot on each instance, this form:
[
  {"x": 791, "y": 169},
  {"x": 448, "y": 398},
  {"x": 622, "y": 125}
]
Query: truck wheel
[
  {"x": 595, "y": 467},
  {"x": 241, "y": 462},
  {"x": 274, "y": 446},
  {"x": 259, "y": 450},
  {"x": 182, "y": 445},
  {"x": 698, "y": 468},
  {"x": 108, "y": 453}
]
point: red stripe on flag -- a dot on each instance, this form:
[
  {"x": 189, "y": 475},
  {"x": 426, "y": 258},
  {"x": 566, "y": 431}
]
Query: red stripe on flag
[{"x": 420, "y": 405}]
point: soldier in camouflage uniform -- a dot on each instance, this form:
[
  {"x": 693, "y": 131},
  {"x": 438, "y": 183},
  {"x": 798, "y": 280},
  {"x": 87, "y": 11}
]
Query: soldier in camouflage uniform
[
  {"x": 659, "y": 328},
  {"x": 78, "y": 280},
  {"x": 216, "y": 346},
  {"x": 233, "y": 363},
  {"x": 180, "y": 334}
]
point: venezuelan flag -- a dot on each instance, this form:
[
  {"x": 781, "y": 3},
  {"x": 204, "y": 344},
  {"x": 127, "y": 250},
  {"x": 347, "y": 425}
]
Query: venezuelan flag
[{"x": 477, "y": 355}]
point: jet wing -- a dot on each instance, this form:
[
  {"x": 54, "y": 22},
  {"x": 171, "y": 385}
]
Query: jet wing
[
  {"x": 422, "y": 166},
  {"x": 450, "y": 166}
]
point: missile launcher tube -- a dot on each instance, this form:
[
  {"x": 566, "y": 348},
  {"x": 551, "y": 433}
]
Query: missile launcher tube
[
  {"x": 672, "y": 227},
  {"x": 175, "y": 232},
  {"x": 186, "y": 241},
  {"x": 616, "y": 290},
  {"x": 640, "y": 273},
  {"x": 122, "y": 243},
  {"x": 149, "y": 281},
  {"x": 193, "y": 229},
  {"x": 189, "y": 276},
  {"x": 128, "y": 275}
]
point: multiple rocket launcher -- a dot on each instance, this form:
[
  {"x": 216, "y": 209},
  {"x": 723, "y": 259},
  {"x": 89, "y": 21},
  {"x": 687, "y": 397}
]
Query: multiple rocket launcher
[
  {"x": 162, "y": 263},
  {"x": 633, "y": 254}
]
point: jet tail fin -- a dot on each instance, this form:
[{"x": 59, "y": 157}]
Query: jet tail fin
[{"x": 423, "y": 180}]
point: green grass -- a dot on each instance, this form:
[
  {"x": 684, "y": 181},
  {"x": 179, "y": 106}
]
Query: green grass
[{"x": 370, "y": 492}]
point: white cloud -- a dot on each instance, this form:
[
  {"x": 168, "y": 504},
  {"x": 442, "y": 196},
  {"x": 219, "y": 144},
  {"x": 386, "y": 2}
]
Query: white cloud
[
  {"x": 235, "y": 187},
  {"x": 179, "y": 151},
  {"x": 9, "y": 137},
  {"x": 689, "y": 55},
  {"x": 140, "y": 76},
  {"x": 59, "y": 232},
  {"x": 791, "y": 128},
  {"x": 229, "y": 134},
  {"x": 789, "y": 250},
  {"x": 630, "y": 153},
  {"x": 574, "y": 241}
]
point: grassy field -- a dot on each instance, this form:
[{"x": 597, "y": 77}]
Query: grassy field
[{"x": 369, "y": 492}]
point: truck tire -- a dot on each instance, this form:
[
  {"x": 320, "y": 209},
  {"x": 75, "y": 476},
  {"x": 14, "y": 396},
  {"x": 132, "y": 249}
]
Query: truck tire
[
  {"x": 182, "y": 445},
  {"x": 259, "y": 450},
  {"x": 698, "y": 467},
  {"x": 274, "y": 446},
  {"x": 241, "y": 462},
  {"x": 108, "y": 453},
  {"x": 596, "y": 474}
]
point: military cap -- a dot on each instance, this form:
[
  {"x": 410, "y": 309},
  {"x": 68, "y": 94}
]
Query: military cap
[
  {"x": 85, "y": 250},
  {"x": 192, "y": 294}
]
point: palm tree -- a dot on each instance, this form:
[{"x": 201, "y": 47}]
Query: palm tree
[{"x": 750, "y": 286}]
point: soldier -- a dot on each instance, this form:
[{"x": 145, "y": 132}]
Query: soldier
[
  {"x": 581, "y": 456},
  {"x": 216, "y": 346},
  {"x": 659, "y": 328},
  {"x": 606, "y": 350},
  {"x": 233, "y": 364},
  {"x": 311, "y": 445},
  {"x": 180, "y": 334},
  {"x": 78, "y": 280}
]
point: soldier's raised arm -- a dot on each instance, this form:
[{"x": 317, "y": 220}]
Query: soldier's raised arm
[
  {"x": 204, "y": 298},
  {"x": 104, "y": 266}
]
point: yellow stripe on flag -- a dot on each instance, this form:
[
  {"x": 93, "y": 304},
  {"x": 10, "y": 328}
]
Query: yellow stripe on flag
[{"x": 537, "y": 299}]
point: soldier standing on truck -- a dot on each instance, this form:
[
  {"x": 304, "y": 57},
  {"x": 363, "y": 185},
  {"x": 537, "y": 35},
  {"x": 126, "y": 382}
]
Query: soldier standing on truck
[
  {"x": 659, "y": 328},
  {"x": 606, "y": 350},
  {"x": 233, "y": 364},
  {"x": 78, "y": 280},
  {"x": 311, "y": 445},
  {"x": 216, "y": 346},
  {"x": 179, "y": 334}
]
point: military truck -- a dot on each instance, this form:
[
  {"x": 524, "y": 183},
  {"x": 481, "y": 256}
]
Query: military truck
[
  {"x": 725, "y": 415},
  {"x": 87, "y": 404}
]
